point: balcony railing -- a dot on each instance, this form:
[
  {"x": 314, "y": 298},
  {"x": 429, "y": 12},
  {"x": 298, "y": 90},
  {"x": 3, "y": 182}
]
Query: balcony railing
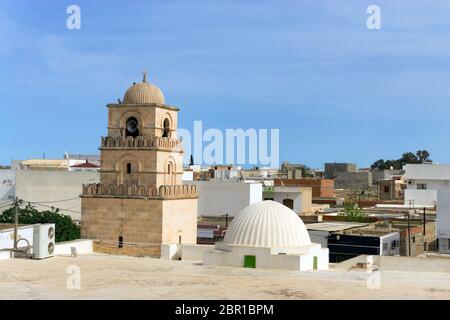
[
  {"x": 141, "y": 191},
  {"x": 141, "y": 142}
]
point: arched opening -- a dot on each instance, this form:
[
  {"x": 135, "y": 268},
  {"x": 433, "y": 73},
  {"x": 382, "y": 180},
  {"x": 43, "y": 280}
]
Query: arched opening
[
  {"x": 166, "y": 125},
  {"x": 132, "y": 127},
  {"x": 289, "y": 203},
  {"x": 170, "y": 174}
]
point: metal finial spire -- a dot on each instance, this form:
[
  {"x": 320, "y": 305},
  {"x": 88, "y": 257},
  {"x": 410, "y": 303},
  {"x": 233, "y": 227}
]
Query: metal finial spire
[{"x": 144, "y": 73}]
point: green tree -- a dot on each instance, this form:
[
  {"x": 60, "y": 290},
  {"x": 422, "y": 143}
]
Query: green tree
[
  {"x": 353, "y": 213},
  {"x": 379, "y": 164},
  {"x": 307, "y": 172},
  {"x": 65, "y": 228},
  {"x": 423, "y": 156},
  {"x": 409, "y": 157}
]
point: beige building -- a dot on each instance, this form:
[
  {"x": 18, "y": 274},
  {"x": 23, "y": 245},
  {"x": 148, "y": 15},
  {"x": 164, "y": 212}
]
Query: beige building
[{"x": 140, "y": 202}]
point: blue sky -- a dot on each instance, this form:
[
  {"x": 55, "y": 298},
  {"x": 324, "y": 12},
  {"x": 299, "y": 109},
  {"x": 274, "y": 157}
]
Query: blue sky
[{"x": 336, "y": 90}]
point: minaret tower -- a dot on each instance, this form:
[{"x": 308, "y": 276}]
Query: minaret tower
[
  {"x": 140, "y": 202},
  {"x": 142, "y": 146}
]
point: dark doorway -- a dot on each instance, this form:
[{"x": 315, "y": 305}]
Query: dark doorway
[{"x": 289, "y": 203}]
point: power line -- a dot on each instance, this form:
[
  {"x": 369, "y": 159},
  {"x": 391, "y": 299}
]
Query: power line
[
  {"x": 56, "y": 201},
  {"x": 51, "y": 207},
  {"x": 7, "y": 205}
]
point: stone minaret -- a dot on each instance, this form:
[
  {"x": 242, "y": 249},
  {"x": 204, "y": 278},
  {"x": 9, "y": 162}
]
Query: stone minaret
[
  {"x": 141, "y": 147},
  {"x": 140, "y": 202}
]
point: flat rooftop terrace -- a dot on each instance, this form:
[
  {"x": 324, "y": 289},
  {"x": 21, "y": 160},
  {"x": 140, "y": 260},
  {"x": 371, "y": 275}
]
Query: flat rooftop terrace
[{"x": 120, "y": 277}]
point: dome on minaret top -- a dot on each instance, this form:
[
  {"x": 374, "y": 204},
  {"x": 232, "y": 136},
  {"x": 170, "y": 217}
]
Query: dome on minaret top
[{"x": 143, "y": 93}]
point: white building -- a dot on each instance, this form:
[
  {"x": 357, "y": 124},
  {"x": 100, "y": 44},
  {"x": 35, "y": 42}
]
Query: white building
[
  {"x": 54, "y": 188},
  {"x": 7, "y": 239},
  {"x": 422, "y": 183},
  {"x": 443, "y": 220},
  {"x": 7, "y": 186},
  {"x": 429, "y": 185},
  {"x": 268, "y": 235},
  {"x": 298, "y": 199},
  {"x": 221, "y": 197}
]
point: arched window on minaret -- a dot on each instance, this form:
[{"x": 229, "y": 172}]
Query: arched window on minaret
[
  {"x": 170, "y": 174},
  {"x": 132, "y": 127},
  {"x": 166, "y": 125}
]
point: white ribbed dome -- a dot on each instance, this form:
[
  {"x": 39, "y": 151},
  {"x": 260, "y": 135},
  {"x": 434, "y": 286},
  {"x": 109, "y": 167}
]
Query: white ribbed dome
[
  {"x": 267, "y": 224},
  {"x": 143, "y": 93}
]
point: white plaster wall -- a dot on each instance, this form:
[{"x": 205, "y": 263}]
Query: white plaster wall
[
  {"x": 389, "y": 239},
  {"x": 443, "y": 220},
  {"x": 280, "y": 196},
  {"x": 267, "y": 258},
  {"x": 195, "y": 252},
  {"x": 302, "y": 197},
  {"x": 7, "y": 237},
  {"x": 7, "y": 185},
  {"x": 217, "y": 198},
  {"x": 51, "y": 185},
  {"x": 171, "y": 251},
  {"x": 426, "y": 198},
  {"x": 320, "y": 237},
  {"x": 83, "y": 247}
]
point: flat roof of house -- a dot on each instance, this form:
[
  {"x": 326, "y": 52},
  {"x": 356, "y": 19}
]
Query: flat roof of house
[
  {"x": 429, "y": 171},
  {"x": 334, "y": 226},
  {"x": 46, "y": 163},
  {"x": 146, "y": 278}
]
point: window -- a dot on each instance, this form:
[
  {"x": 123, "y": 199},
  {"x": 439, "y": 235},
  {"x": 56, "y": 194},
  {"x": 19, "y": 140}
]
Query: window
[
  {"x": 128, "y": 168},
  {"x": 421, "y": 186},
  {"x": 120, "y": 242},
  {"x": 386, "y": 189},
  {"x": 289, "y": 203},
  {"x": 132, "y": 127},
  {"x": 166, "y": 129}
]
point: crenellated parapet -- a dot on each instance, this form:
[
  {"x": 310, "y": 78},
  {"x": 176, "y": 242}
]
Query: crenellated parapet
[
  {"x": 138, "y": 191},
  {"x": 141, "y": 142}
]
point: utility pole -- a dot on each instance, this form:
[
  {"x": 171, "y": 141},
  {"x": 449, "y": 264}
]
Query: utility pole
[
  {"x": 424, "y": 219},
  {"x": 409, "y": 234},
  {"x": 424, "y": 225},
  {"x": 16, "y": 221}
]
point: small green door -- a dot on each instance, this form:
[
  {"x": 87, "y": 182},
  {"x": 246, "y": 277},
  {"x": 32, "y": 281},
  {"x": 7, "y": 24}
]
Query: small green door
[
  {"x": 315, "y": 263},
  {"x": 249, "y": 262}
]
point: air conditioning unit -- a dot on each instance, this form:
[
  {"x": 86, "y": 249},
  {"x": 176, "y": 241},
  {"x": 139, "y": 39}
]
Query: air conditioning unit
[{"x": 43, "y": 240}]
